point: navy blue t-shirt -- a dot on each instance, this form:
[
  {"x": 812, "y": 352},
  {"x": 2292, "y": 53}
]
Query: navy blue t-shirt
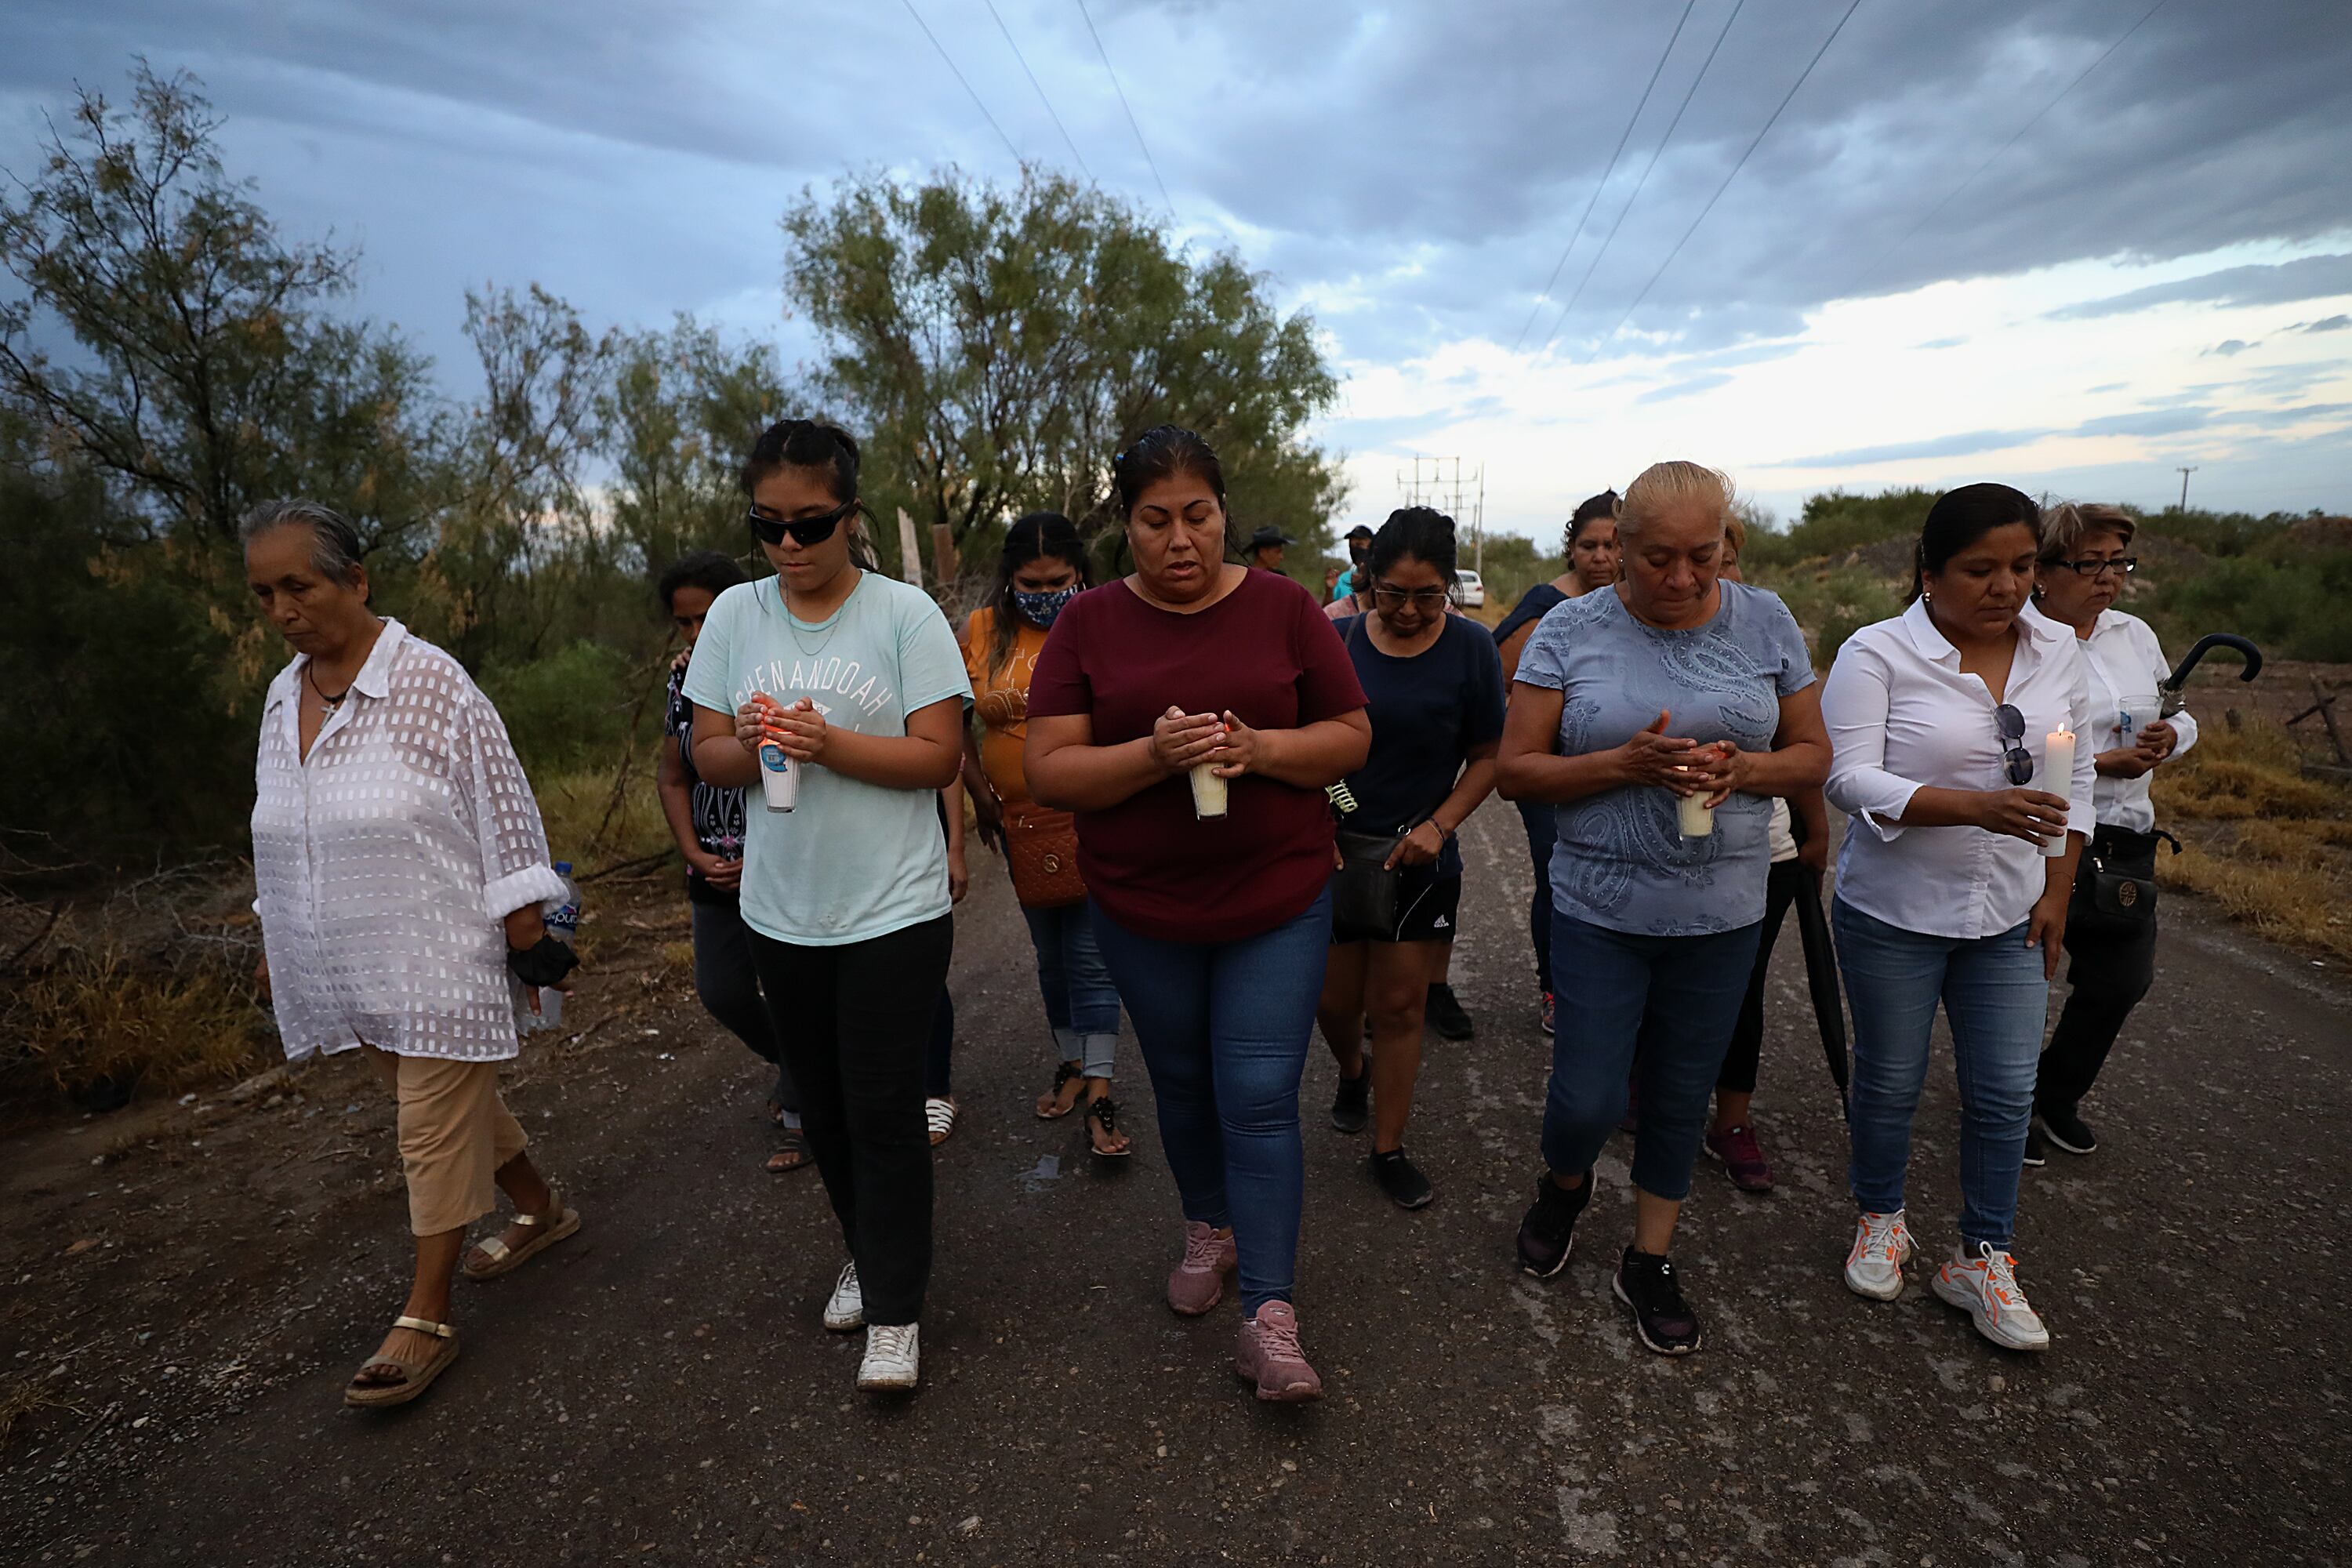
[
  {"x": 1534, "y": 604},
  {"x": 1427, "y": 713}
]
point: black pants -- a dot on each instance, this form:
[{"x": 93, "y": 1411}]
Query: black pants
[
  {"x": 1782, "y": 884},
  {"x": 939, "y": 1057},
  {"x": 1542, "y": 821},
  {"x": 2110, "y": 970},
  {"x": 856, "y": 1024},
  {"x": 729, "y": 990}
]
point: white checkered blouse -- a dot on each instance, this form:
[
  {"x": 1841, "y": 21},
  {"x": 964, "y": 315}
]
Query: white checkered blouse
[{"x": 386, "y": 864}]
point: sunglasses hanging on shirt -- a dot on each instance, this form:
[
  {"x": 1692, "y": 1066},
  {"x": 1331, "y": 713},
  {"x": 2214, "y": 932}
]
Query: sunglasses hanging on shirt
[
  {"x": 805, "y": 531},
  {"x": 2016, "y": 760}
]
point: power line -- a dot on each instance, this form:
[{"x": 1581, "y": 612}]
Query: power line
[
  {"x": 1111, "y": 72},
  {"x": 1655, "y": 153},
  {"x": 1775, "y": 119},
  {"x": 1867, "y": 273},
  {"x": 1578, "y": 232},
  {"x": 992, "y": 125},
  {"x": 1048, "y": 102}
]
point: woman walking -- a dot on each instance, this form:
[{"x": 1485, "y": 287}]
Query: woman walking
[
  {"x": 1042, "y": 569},
  {"x": 400, "y": 869},
  {"x": 1671, "y": 690},
  {"x": 1436, "y": 708},
  {"x": 1193, "y": 714},
  {"x": 1945, "y": 721},
  {"x": 857, "y": 680},
  {"x": 709, "y": 824},
  {"x": 2085, "y": 558},
  {"x": 1592, "y": 555}
]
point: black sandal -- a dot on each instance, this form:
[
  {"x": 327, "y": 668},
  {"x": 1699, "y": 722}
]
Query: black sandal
[
  {"x": 1065, "y": 1074},
  {"x": 795, "y": 1144},
  {"x": 1106, "y": 1112}
]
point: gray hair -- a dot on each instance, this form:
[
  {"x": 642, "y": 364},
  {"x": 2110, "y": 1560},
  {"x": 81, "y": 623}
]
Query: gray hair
[
  {"x": 335, "y": 546},
  {"x": 1664, "y": 485}
]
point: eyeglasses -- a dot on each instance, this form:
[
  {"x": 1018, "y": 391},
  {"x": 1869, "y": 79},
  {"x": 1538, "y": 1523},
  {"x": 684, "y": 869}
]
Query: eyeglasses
[
  {"x": 805, "y": 531},
  {"x": 2126, "y": 565},
  {"x": 2016, "y": 760},
  {"x": 1419, "y": 598}
]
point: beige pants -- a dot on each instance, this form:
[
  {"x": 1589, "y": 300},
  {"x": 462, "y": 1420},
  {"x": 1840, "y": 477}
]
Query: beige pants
[{"x": 455, "y": 1134}]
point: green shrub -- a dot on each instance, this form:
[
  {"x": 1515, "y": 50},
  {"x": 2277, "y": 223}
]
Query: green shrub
[{"x": 571, "y": 709}]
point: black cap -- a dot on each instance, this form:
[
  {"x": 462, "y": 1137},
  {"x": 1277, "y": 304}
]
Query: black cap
[
  {"x": 1268, "y": 536},
  {"x": 1361, "y": 530}
]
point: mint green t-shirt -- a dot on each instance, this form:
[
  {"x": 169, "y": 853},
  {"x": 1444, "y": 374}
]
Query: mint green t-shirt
[{"x": 851, "y": 861}]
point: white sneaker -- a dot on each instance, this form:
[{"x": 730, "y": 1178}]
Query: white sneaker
[
  {"x": 894, "y": 1357},
  {"x": 1985, "y": 1286},
  {"x": 1882, "y": 1246},
  {"x": 845, "y": 1309}
]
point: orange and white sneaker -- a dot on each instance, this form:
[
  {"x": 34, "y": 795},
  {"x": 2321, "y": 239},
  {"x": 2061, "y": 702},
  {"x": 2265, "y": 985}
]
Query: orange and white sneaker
[
  {"x": 1882, "y": 1246},
  {"x": 1985, "y": 1286}
]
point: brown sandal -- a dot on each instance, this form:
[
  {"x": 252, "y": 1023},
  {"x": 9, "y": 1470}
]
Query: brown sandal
[
  {"x": 415, "y": 1376},
  {"x": 504, "y": 1260}
]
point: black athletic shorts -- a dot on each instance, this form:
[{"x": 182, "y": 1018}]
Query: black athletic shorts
[{"x": 1429, "y": 903}]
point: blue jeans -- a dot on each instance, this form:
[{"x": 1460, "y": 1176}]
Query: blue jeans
[
  {"x": 1542, "y": 819},
  {"x": 1081, "y": 1004},
  {"x": 1223, "y": 1027},
  {"x": 1665, "y": 1003},
  {"x": 1996, "y": 996}
]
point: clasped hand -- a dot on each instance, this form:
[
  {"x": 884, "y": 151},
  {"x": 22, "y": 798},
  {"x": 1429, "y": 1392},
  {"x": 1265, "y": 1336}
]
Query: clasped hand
[
  {"x": 1181, "y": 741},
  {"x": 1686, "y": 767},
  {"x": 800, "y": 730}
]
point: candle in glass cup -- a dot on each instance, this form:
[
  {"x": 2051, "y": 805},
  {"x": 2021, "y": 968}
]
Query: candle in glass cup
[
  {"x": 2057, "y": 777},
  {"x": 1693, "y": 816},
  {"x": 1208, "y": 792}
]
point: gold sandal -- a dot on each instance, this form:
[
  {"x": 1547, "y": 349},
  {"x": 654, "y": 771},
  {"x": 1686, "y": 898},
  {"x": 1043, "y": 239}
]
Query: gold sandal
[
  {"x": 415, "y": 1376},
  {"x": 505, "y": 1259}
]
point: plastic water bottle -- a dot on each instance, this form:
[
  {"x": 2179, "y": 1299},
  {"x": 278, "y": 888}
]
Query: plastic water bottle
[{"x": 563, "y": 920}]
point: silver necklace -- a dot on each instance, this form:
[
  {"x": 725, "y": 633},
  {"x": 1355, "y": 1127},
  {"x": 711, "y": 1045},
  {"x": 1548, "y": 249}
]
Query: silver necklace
[{"x": 831, "y": 629}]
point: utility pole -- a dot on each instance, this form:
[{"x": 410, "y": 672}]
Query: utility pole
[
  {"x": 2184, "y": 488},
  {"x": 1461, "y": 496}
]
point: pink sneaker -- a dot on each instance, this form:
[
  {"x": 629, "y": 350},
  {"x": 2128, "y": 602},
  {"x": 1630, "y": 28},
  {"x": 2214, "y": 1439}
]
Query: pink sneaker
[
  {"x": 1198, "y": 1282},
  {"x": 1267, "y": 1353}
]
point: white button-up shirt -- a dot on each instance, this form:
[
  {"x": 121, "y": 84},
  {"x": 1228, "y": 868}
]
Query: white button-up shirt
[
  {"x": 385, "y": 862},
  {"x": 1901, "y": 717},
  {"x": 2125, "y": 664}
]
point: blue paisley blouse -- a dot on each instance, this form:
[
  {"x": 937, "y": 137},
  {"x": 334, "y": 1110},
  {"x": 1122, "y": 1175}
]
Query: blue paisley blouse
[{"x": 1622, "y": 861}]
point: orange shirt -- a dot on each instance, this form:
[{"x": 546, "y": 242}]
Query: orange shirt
[{"x": 1000, "y": 697}]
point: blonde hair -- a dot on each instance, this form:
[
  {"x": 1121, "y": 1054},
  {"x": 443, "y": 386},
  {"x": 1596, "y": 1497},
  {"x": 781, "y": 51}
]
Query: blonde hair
[
  {"x": 2066, "y": 525},
  {"x": 1662, "y": 487}
]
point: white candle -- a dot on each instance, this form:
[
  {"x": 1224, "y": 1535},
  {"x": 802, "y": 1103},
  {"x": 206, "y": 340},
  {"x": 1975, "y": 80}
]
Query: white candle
[
  {"x": 780, "y": 777},
  {"x": 2057, "y": 777},
  {"x": 1696, "y": 817},
  {"x": 1208, "y": 791}
]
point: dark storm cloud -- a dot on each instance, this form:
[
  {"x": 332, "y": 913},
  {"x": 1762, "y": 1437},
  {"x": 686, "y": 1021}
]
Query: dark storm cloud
[
  {"x": 1431, "y": 161},
  {"x": 2308, "y": 278}
]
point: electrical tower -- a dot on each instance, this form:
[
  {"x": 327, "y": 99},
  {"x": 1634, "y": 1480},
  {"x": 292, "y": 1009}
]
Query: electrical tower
[{"x": 1460, "y": 493}]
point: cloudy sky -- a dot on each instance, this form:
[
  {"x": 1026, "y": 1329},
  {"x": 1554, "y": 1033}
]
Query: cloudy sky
[{"x": 2074, "y": 245}]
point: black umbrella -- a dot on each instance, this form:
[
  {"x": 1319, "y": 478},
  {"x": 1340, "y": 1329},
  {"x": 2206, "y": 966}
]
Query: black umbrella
[
  {"x": 1822, "y": 979},
  {"x": 2171, "y": 688}
]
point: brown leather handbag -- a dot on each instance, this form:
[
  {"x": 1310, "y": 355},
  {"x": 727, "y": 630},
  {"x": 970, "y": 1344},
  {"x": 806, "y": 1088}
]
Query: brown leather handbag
[{"x": 1041, "y": 847}]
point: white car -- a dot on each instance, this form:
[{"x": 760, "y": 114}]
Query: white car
[{"x": 1469, "y": 591}]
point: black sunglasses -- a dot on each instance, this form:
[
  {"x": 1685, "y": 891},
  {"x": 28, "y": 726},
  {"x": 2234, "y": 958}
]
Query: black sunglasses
[
  {"x": 2015, "y": 759},
  {"x": 805, "y": 531}
]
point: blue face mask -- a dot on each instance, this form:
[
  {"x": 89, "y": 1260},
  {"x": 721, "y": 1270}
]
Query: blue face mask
[{"x": 1042, "y": 609}]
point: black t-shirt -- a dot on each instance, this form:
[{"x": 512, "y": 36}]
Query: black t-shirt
[
  {"x": 1533, "y": 606},
  {"x": 1427, "y": 713},
  {"x": 718, "y": 814}
]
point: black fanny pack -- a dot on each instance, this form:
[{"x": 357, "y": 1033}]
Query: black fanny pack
[
  {"x": 1364, "y": 897},
  {"x": 2115, "y": 890}
]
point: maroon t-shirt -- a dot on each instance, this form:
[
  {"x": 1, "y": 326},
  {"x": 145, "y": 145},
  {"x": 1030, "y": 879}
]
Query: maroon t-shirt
[{"x": 1265, "y": 652}]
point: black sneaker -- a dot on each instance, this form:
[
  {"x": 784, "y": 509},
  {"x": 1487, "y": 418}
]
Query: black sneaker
[
  {"x": 1402, "y": 1180},
  {"x": 1445, "y": 1014},
  {"x": 1351, "y": 1106},
  {"x": 2068, "y": 1131},
  {"x": 1549, "y": 1228},
  {"x": 2037, "y": 1147},
  {"x": 1661, "y": 1316}
]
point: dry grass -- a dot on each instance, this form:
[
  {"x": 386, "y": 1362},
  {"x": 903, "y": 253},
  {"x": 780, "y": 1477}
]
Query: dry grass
[
  {"x": 590, "y": 826},
  {"x": 2264, "y": 842},
  {"x": 23, "y": 1398},
  {"x": 93, "y": 1017}
]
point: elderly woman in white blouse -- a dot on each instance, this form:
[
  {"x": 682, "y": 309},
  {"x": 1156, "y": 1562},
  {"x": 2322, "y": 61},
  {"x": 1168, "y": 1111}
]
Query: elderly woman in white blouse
[
  {"x": 400, "y": 865},
  {"x": 2111, "y": 922}
]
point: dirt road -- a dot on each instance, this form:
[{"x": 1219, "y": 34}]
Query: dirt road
[{"x": 658, "y": 1391}]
